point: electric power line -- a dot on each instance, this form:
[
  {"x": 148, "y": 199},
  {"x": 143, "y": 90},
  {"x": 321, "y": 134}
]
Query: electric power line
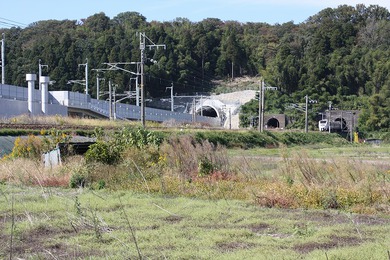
[{"x": 11, "y": 23}]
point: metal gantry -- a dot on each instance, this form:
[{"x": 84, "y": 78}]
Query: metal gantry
[
  {"x": 40, "y": 71},
  {"x": 98, "y": 79},
  {"x": 86, "y": 75},
  {"x": 172, "y": 102},
  {"x": 311, "y": 101},
  {"x": 142, "y": 46},
  {"x": 116, "y": 66},
  {"x": 262, "y": 88}
]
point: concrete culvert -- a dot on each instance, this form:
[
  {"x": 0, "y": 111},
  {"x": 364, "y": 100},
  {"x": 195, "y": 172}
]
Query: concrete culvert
[{"x": 273, "y": 123}]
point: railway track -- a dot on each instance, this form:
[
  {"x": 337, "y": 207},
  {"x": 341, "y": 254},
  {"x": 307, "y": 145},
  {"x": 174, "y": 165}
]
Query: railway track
[
  {"x": 40, "y": 126},
  {"x": 45, "y": 126}
]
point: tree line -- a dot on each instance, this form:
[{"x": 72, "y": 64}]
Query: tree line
[{"x": 339, "y": 55}]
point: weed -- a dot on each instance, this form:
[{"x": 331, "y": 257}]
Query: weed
[{"x": 77, "y": 206}]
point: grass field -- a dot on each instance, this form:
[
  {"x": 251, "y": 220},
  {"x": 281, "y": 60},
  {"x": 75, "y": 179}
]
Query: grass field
[
  {"x": 188, "y": 200},
  {"x": 52, "y": 223}
]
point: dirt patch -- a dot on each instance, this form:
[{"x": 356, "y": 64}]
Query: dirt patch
[
  {"x": 215, "y": 226},
  {"x": 233, "y": 246},
  {"x": 259, "y": 228},
  {"x": 173, "y": 219},
  {"x": 335, "y": 242},
  {"x": 41, "y": 242},
  {"x": 329, "y": 218}
]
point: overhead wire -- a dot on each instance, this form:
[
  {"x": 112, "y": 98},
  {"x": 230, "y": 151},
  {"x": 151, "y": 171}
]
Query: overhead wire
[{"x": 11, "y": 23}]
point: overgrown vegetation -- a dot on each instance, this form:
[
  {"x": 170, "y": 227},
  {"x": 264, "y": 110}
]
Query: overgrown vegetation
[
  {"x": 33, "y": 146},
  {"x": 195, "y": 164},
  {"x": 232, "y": 201}
]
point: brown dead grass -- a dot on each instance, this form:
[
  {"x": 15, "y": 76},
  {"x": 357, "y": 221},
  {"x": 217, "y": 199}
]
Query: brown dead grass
[{"x": 33, "y": 172}]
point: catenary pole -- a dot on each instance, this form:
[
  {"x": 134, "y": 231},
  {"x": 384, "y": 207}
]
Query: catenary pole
[
  {"x": 306, "y": 119},
  {"x": 3, "y": 59}
]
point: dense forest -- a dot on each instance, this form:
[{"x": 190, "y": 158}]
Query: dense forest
[{"x": 340, "y": 55}]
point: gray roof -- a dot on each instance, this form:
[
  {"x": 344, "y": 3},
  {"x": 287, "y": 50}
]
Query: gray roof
[
  {"x": 7, "y": 142},
  {"x": 6, "y": 145}
]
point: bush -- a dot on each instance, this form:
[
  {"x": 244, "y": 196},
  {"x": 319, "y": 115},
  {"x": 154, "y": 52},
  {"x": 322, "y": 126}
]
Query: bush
[
  {"x": 231, "y": 139},
  {"x": 103, "y": 152},
  {"x": 77, "y": 180},
  {"x": 30, "y": 147}
]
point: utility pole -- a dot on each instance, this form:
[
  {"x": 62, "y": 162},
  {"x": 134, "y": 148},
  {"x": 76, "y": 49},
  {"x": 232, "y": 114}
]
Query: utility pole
[
  {"x": 201, "y": 105},
  {"x": 136, "y": 90},
  {"x": 3, "y": 59},
  {"x": 232, "y": 71},
  {"x": 109, "y": 100},
  {"x": 306, "y": 120},
  {"x": 306, "y": 112},
  {"x": 230, "y": 118},
  {"x": 98, "y": 79},
  {"x": 263, "y": 87},
  {"x": 330, "y": 108},
  {"x": 171, "y": 87},
  {"x": 86, "y": 74},
  {"x": 260, "y": 108},
  {"x": 40, "y": 72},
  {"x": 262, "y": 105},
  {"x": 142, "y": 45},
  {"x": 114, "y": 94},
  {"x": 352, "y": 125},
  {"x": 98, "y": 86},
  {"x": 193, "y": 111}
]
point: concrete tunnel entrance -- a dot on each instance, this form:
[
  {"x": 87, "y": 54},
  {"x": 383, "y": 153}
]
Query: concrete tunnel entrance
[
  {"x": 273, "y": 123},
  {"x": 207, "y": 111}
]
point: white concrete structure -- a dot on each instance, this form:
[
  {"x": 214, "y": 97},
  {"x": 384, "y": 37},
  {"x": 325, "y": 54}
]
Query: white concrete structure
[
  {"x": 31, "y": 78},
  {"x": 44, "y": 81},
  {"x": 16, "y": 101}
]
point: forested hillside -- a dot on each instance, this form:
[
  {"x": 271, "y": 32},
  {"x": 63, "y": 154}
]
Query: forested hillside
[{"x": 339, "y": 55}]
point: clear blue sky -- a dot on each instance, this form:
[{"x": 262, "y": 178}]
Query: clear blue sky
[{"x": 24, "y": 12}]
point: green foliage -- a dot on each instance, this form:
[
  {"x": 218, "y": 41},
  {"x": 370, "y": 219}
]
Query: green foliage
[
  {"x": 334, "y": 54},
  {"x": 33, "y": 146},
  {"x": 79, "y": 178},
  {"x": 103, "y": 152},
  {"x": 297, "y": 138},
  {"x": 110, "y": 149},
  {"x": 244, "y": 139},
  {"x": 205, "y": 167},
  {"x": 76, "y": 181},
  {"x": 18, "y": 132},
  {"x": 137, "y": 137},
  {"x": 30, "y": 147}
]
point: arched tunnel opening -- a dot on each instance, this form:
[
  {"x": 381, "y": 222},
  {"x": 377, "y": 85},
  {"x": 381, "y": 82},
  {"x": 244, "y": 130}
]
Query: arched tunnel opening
[
  {"x": 343, "y": 123},
  {"x": 273, "y": 123},
  {"x": 207, "y": 111}
]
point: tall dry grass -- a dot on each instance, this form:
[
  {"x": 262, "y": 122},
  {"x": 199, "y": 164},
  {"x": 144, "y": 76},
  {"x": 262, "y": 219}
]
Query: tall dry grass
[
  {"x": 23, "y": 171},
  {"x": 183, "y": 166},
  {"x": 65, "y": 120},
  {"x": 337, "y": 183}
]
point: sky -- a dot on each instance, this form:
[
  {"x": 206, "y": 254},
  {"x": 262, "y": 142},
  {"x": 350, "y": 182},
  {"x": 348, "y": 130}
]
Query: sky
[{"x": 24, "y": 12}]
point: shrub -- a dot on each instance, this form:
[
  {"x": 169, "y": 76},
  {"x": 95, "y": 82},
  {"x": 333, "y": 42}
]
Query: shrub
[
  {"x": 103, "y": 152},
  {"x": 77, "y": 180},
  {"x": 30, "y": 147},
  {"x": 205, "y": 166},
  {"x": 137, "y": 137}
]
